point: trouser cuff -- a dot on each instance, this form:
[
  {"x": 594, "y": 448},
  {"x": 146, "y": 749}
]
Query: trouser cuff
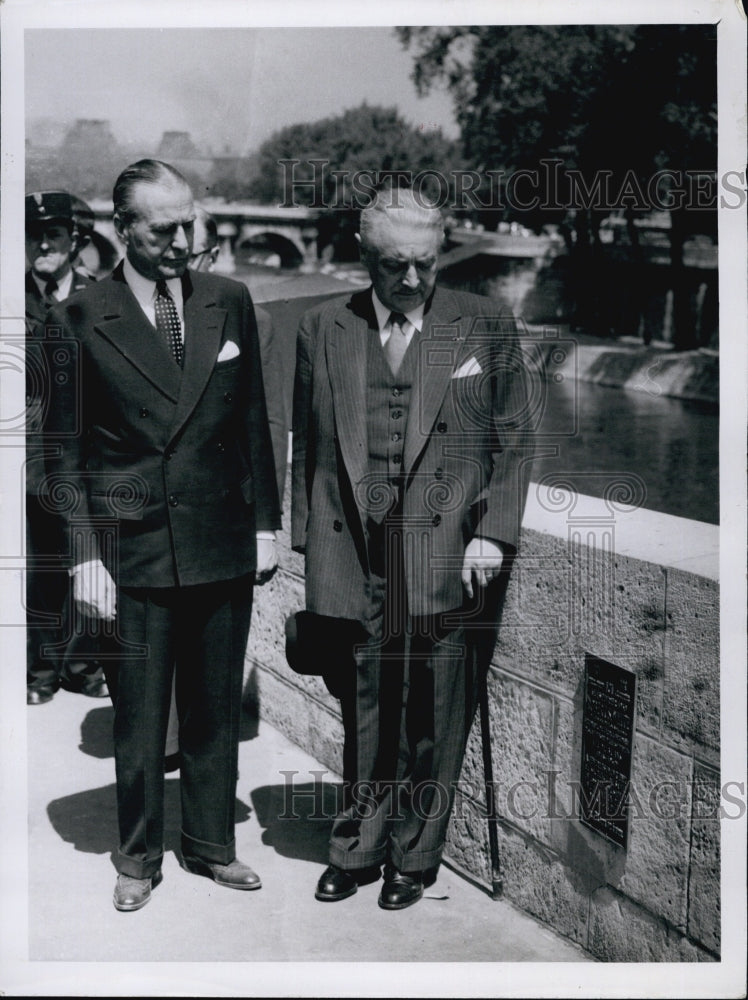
[
  {"x": 138, "y": 867},
  {"x": 219, "y": 854},
  {"x": 353, "y": 860},
  {"x": 415, "y": 861}
]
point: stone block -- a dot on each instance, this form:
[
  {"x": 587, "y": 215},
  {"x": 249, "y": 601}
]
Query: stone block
[
  {"x": 542, "y": 885},
  {"x": 691, "y": 703},
  {"x": 472, "y": 777},
  {"x": 704, "y": 868},
  {"x": 532, "y": 878},
  {"x": 622, "y": 931},
  {"x": 655, "y": 873},
  {"x": 305, "y": 720},
  {"x": 567, "y": 598},
  {"x": 273, "y": 602},
  {"x": 467, "y": 837},
  {"x": 634, "y": 640},
  {"x": 522, "y": 730},
  {"x": 535, "y": 626}
]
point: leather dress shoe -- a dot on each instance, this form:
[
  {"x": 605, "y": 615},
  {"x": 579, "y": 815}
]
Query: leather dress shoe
[
  {"x": 400, "y": 889},
  {"x": 133, "y": 893},
  {"x": 234, "y": 875},
  {"x": 93, "y": 685},
  {"x": 41, "y": 694},
  {"x": 337, "y": 883}
]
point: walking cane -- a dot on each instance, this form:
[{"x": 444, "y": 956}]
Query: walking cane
[{"x": 497, "y": 880}]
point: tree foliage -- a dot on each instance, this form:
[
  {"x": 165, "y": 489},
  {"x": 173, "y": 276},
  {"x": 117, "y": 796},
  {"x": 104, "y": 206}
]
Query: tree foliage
[
  {"x": 620, "y": 101},
  {"x": 598, "y": 96},
  {"x": 334, "y": 163}
]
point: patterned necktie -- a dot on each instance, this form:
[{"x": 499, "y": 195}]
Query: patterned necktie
[
  {"x": 167, "y": 321},
  {"x": 396, "y": 344}
]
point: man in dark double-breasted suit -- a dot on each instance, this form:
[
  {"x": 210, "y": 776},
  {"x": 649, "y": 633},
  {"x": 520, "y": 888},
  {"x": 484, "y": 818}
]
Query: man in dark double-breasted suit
[
  {"x": 166, "y": 485},
  {"x": 411, "y": 440}
]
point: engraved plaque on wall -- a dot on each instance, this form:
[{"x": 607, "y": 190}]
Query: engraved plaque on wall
[{"x": 607, "y": 745}]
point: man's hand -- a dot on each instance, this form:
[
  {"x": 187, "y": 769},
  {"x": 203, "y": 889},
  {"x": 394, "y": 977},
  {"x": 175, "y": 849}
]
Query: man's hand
[
  {"x": 483, "y": 559},
  {"x": 267, "y": 557},
  {"x": 94, "y": 590}
]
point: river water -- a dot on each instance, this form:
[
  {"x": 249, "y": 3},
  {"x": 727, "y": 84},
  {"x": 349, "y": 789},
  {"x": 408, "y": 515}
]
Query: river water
[{"x": 662, "y": 452}]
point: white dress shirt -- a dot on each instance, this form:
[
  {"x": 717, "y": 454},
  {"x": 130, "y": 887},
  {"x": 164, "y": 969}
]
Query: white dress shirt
[
  {"x": 383, "y": 313},
  {"x": 144, "y": 291}
]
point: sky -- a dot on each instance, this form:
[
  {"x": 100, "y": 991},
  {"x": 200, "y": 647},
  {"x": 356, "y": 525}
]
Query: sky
[{"x": 230, "y": 87}]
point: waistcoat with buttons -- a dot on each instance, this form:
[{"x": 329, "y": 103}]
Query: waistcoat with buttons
[{"x": 388, "y": 405}]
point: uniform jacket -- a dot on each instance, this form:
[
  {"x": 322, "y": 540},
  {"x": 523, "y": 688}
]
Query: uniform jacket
[
  {"x": 37, "y": 306},
  {"x": 466, "y": 456},
  {"x": 179, "y": 463}
]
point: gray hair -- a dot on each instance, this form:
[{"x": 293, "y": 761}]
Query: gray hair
[{"x": 399, "y": 205}]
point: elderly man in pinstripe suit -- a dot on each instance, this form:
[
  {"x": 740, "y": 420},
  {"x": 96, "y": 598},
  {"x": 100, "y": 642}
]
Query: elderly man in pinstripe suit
[{"x": 410, "y": 443}]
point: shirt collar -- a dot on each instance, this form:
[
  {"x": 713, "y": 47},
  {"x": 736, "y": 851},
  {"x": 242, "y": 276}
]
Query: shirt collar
[
  {"x": 414, "y": 317},
  {"x": 64, "y": 285},
  {"x": 144, "y": 289}
]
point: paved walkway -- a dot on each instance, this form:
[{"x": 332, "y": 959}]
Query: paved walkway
[{"x": 72, "y": 830}]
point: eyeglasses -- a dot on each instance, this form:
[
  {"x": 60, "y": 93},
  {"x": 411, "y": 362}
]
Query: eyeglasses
[{"x": 201, "y": 253}]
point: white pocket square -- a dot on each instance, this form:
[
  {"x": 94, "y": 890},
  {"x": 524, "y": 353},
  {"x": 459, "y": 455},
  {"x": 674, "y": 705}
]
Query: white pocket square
[
  {"x": 470, "y": 367},
  {"x": 228, "y": 351}
]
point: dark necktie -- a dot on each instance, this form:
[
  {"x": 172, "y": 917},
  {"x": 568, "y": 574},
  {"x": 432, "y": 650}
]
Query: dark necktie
[
  {"x": 396, "y": 344},
  {"x": 50, "y": 288},
  {"x": 167, "y": 321}
]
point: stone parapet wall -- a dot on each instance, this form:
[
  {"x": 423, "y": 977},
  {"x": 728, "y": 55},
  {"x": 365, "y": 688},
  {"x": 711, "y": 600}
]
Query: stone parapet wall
[{"x": 636, "y": 588}]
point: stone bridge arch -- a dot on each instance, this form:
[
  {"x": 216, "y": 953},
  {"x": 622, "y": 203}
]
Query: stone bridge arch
[
  {"x": 285, "y": 242},
  {"x": 292, "y": 234}
]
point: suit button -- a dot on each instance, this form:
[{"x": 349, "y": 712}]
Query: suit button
[
  {"x": 438, "y": 473},
  {"x": 337, "y": 525},
  {"x": 397, "y": 459},
  {"x": 168, "y": 455},
  {"x": 228, "y": 397},
  {"x": 173, "y": 502},
  {"x": 144, "y": 412},
  {"x": 441, "y": 427},
  {"x": 220, "y": 446},
  {"x": 395, "y": 392},
  {"x": 396, "y": 414},
  {"x": 396, "y": 437},
  {"x": 436, "y": 520}
]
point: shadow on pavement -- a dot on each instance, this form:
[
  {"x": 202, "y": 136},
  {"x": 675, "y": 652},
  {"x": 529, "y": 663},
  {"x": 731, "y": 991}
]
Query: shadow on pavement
[
  {"x": 296, "y": 819},
  {"x": 88, "y": 820},
  {"x": 96, "y": 731}
]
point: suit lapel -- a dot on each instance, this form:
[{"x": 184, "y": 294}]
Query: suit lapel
[
  {"x": 346, "y": 363},
  {"x": 203, "y": 325},
  {"x": 437, "y": 353},
  {"x": 125, "y": 326}
]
